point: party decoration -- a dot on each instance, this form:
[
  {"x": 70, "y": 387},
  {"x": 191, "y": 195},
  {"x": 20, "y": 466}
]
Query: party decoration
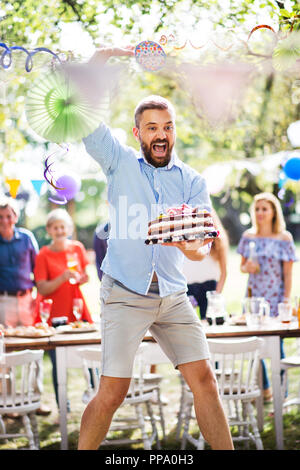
[
  {"x": 293, "y": 133},
  {"x": 290, "y": 202},
  {"x": 6, "y": 58},
  {"x": 70, "y": 187},
  {"x": 287, "y": 52},
  {"x": 292, "y": 168},
  {"x": 59, "y": 112},
  {"x": 37, "y": 185},
  {"x": 217, "y": 89},
  {"x": 281, "y": 193},
  {"x": 13, "y": 186},
  {"x": 260, "y": 27},
  {"x": 150, "y": 55},
  {"x": 49, "y": 173},
  {"x": 61, "y": 200}
]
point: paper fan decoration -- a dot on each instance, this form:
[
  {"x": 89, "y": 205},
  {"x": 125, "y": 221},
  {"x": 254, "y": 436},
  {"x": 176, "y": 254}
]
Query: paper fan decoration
[
  {"x": 58, "y": 111},
  {"x": 287, "y": 52},
  {"x": 150, "y": 55}
]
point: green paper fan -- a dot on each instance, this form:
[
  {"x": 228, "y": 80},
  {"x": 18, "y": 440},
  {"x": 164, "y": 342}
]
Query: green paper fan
[
  {"x": 287, "y": 52},
  {"x": 58, "y": 111}
]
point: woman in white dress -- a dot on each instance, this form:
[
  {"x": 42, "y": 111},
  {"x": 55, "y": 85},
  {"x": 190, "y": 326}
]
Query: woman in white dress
[{"x": 210, "y": 273}]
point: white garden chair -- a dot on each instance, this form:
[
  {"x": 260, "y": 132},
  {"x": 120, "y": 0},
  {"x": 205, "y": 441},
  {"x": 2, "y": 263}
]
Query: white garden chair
[
  {"x": 236, "y": 367},
  {"x": 137, "y": 399},
  {"x": 151, "y": 354},
  {"x": 290, "y": 362},
  {"x": 21, "y": 383}
]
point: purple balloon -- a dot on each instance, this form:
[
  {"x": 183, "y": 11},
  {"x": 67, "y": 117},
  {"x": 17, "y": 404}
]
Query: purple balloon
[{"x": 70, "y": 187}]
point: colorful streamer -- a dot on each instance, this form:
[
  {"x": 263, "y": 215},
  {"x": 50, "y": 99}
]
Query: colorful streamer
[
  {"x": 6, "y": 56},
  {"x": 260, "y": 26}
]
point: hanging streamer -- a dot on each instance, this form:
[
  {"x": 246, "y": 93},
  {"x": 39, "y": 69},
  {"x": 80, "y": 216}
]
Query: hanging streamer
[
  {"x": 260, "y": 26},
  {"x": 6, "y": 56}
]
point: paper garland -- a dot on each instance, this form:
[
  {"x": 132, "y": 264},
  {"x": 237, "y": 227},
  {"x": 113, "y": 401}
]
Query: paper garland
[{"x": 14, "y": 185}]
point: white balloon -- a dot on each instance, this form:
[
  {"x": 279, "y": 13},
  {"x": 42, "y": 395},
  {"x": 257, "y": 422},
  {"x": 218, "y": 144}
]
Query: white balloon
[{"x": 293, "y": 133}]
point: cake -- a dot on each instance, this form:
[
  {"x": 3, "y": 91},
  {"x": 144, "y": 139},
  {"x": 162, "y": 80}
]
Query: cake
[{"x": 181, "y": 223}]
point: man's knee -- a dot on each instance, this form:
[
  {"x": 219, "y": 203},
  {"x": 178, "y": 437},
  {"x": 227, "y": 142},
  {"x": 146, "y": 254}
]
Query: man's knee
[
  {"x": 112, "y": 392},
  {"x": 199, "y": 374}
]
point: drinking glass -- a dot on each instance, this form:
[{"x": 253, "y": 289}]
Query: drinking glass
[
  {"x": 45, "y": 309},
  {"x": 285, "y": 312},
  {"x": 77, "y": 308},
  {"x": 256, "y": 311},
  {"x": 215, "y": 306},
  {"x": 72, "y": 263}
]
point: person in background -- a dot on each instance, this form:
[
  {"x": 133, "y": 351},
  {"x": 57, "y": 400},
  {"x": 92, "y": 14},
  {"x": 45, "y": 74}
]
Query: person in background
[
  {"x": 100, "y": 245},
  {"x": 18, "y": 251},
  {"x": 270, "y": 272},
  {"x": 210, "y": 273},
  {"x": 59, "y": 272}
]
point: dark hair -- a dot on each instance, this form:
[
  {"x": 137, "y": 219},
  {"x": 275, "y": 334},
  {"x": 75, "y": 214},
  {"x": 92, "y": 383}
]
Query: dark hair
[{"x": 152, "y": 102}]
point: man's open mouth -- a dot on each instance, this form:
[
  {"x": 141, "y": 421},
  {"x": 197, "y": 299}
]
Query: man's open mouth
[{"x": 160, "y": 149}]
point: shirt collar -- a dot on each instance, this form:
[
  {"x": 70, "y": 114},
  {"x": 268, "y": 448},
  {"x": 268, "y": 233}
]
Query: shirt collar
[
  {"x": 16, "y": 236},
  {"x": 174, "y": 161}
]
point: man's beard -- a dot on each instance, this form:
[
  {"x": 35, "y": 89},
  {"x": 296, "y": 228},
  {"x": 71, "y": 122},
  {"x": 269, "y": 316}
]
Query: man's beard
[{"x": 163, "y": 161}]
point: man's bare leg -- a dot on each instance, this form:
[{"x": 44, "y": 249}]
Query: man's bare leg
[
  {"x": 208, "y": 406},
  {"x": 98, "y": 414}
]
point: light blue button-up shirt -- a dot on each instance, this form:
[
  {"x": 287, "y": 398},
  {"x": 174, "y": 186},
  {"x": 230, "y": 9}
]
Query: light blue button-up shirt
[{"x": 137, "y": 193}]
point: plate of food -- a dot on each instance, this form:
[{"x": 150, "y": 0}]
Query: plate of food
[
  {"x": 37, "y": 331},
  {"x": 77, "y": 327},
  {"x": 239, "y": 320}
]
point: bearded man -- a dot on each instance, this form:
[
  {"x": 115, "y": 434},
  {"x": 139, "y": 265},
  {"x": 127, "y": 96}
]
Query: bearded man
[{"x": 143, "y": 287}]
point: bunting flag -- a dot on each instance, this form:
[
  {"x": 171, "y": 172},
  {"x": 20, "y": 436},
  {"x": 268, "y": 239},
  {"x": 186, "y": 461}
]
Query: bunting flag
[
  {"x": 13, "y": 186},
  {"x": 37, "y": 185}
]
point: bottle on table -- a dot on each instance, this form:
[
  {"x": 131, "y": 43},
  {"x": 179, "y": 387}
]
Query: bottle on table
[
  {"x": 249, "y": 292},
  {"x": 253, "y": 255}
]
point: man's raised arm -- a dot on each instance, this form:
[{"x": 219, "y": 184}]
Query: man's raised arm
[{"x": 101, "y": 144}]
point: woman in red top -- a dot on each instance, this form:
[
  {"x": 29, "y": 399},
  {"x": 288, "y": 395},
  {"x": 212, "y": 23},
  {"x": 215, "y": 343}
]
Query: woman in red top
[{"x": 59, "y": 271}]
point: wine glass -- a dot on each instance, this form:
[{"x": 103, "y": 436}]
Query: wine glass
[
  {"x": 72, "y": 263},
  {"x": 77, "y": 308},
  {"x": 45, "y": 309}
]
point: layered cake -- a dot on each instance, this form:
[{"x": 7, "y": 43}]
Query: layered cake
[{"x": 181, "y": 223}]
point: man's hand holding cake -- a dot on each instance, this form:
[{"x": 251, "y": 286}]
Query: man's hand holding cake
[{"x": 187, "y": 228}]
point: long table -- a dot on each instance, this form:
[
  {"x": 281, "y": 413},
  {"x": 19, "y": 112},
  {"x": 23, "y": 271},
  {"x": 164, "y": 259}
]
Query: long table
[{"x": 65, "y": 344}]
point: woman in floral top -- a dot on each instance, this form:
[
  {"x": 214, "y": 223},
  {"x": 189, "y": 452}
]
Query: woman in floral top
[{"x": 270, "y": 274}]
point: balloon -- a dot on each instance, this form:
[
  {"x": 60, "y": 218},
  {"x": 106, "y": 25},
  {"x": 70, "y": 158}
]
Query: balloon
[
  {"x": 293, "y": 133},
  {"x": 292, "y": 168},
  {"x": 70, "y": 187}
]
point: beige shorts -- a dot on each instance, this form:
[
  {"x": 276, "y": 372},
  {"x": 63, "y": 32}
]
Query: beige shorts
[
  {"x": 126, "y": 317},
  {"x": 17, "y": 310}
]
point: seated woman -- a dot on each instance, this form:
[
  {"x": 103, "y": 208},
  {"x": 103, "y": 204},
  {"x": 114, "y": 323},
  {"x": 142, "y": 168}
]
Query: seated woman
[{"x": 59, "y": 272}]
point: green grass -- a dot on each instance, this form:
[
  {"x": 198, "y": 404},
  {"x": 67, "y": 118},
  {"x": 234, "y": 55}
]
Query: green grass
[{"x": 234, "y": 291}]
